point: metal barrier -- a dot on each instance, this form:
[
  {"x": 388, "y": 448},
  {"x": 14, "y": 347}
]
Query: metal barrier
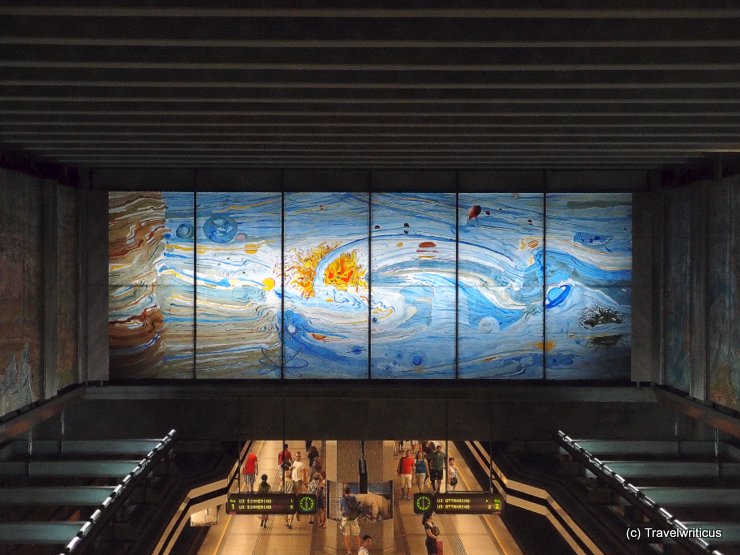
[
  {"x": 111, "y": 504},
  {"x": 635, "y": 497}
]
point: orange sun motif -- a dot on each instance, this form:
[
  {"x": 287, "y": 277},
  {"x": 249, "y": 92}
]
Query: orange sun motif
[{"x": 345, "y": 272}]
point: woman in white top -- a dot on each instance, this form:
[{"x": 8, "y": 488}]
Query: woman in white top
[{"x": 452, "y": 474}]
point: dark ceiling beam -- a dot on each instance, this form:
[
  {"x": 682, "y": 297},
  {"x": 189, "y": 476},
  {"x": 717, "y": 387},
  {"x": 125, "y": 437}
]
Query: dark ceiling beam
[
  {"x": 374, "y": 149},
  {"x": 280, "y": 77},
  {"x": 526, "y": 9},
  {"x": 363, "y": 33},
  {"x": 378, "y": 144},
  {"x": 399, "y": 121},
  {"x": 105, "y": 98},
  {"x": 399, "y": 59},
  {"x": 417, "y": 131},
  {"x": 358, "y": 109},
  {"x": 591, "y": 139}
]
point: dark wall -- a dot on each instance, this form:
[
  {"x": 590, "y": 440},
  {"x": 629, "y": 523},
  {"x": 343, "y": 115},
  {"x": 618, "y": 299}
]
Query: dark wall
[
  {"x": 40, "y": 289},
  {"x": 233, "y": 411},
  {"x": 699, "y": 286}
]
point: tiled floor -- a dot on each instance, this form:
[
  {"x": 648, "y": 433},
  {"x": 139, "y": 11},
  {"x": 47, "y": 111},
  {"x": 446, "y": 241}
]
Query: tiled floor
[{"x": 461, "y": 534}]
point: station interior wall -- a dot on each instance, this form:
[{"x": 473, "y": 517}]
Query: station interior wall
[{"x": 685, "y": 325}]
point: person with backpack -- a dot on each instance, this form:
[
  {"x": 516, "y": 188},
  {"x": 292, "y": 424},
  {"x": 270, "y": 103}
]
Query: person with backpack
[
  {"x": 262, "y": 489},
  {"x": 350, "y": 509}
]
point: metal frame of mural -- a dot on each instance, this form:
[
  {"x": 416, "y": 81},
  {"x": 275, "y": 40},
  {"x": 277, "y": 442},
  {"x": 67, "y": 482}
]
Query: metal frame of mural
[{"x": 370, "y": 285}]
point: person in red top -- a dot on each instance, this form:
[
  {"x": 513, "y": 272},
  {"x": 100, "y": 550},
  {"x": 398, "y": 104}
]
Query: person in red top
[
  {"x": 285, "y": 459},
  {"x": 249, "y": 470},
  {"x": 405, "y": 471}
]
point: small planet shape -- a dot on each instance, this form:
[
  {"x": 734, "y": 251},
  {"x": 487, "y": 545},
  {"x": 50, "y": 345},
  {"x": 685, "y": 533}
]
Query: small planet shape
[
  {"x": 488, "y": 325},
  {"x": 220, "y": 228},
  {"x": 557, "y": 295},
  {"x": 184, "y": 231},
  {"x": 416, "y": 360}
]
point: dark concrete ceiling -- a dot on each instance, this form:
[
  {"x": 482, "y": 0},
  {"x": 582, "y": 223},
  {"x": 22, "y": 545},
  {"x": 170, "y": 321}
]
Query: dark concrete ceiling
[{"x": 513, "y": 84}]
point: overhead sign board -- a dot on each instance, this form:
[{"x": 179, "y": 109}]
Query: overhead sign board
[
  {"x": 271, "y": 503},
  {"x": 459, "y": 503}
]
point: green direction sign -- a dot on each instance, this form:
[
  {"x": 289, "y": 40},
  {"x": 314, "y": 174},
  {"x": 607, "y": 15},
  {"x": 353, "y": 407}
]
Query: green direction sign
[
  {"x": 459, "y": 503},
  {"x": 270, "y": 503}
]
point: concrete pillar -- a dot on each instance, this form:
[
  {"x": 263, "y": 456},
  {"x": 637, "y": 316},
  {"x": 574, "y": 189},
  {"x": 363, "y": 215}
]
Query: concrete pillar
[{"x": 341, "y": 461}]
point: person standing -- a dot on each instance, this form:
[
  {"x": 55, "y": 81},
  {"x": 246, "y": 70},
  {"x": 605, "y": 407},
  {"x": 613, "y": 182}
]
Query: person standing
[
  {"x": 314, "y": 485},
  {"x": 321, "y": 501},
  {"x": 431, "y": 533},
  {"x": 421, "y": 471},
  {"x": 350, "y": 509},
  {"x": 288, "y": 487},
  {"x": 312, "y": 453},
  {"x": 250, "y": 470},
  {"x": 263, "y": 489},
  {"x": 405, "y": 470},
  {"x": 367, "y": 542},
  {"x": 452, "y": 474},
  {"x": 437, "y": 467}
]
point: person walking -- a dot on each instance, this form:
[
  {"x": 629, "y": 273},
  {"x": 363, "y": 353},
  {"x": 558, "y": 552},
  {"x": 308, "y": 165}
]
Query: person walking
[
  {"x": 350, "y": 509},
  {"x": 437, "y": 467},
  {"x": 262, "y": 489},
  {"x": 421, "y": 470},
  {"x": 250, "y": 470},
  {"x": 405, "y": 471}
]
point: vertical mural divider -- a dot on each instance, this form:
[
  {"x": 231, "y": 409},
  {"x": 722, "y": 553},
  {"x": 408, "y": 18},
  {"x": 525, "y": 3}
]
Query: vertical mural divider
[
  {"x": 195, "y": 281},
  {"x": 544, "y": 275},
  {"x": 369, "y": 274},
  {"x": 457, "y": 274},
  {"x": 282, "y": 274}
]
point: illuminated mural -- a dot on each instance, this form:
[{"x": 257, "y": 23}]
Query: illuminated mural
[
  {"x": 388, "y": 285},
  {"x": 326, "y": 288},
  {"x": 151, "y": 276},
  {"x": 413, "y": 285},
  {"x": 501, "y": 254},
  {"x": 723, "y": 337},
  {"x": 238, "y": 284},
  {"x": 21, "y": 289},
  {"x": 588, "y": 273}
]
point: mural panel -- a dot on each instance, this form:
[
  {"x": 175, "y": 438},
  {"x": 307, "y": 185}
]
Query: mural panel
[
  {"x": 677, "y": 308},
  {"x": 67, "y": 273},
  {"x": 326, "y": 288},
  {"x": 723, "y": 286},
  {"x": 588, "y": 293},
  {"x": 151, "y": 275},
  {"x": 500, "y": 285},
  {"x": 238, "y": 285},
  {"x": 21, "y": 289},
  {"x": 413, "y": 285}
]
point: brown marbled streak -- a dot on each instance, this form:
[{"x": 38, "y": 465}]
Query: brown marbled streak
[
  {"x": 136, "y": 229},
  {"x": 136, "y": 330}
]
